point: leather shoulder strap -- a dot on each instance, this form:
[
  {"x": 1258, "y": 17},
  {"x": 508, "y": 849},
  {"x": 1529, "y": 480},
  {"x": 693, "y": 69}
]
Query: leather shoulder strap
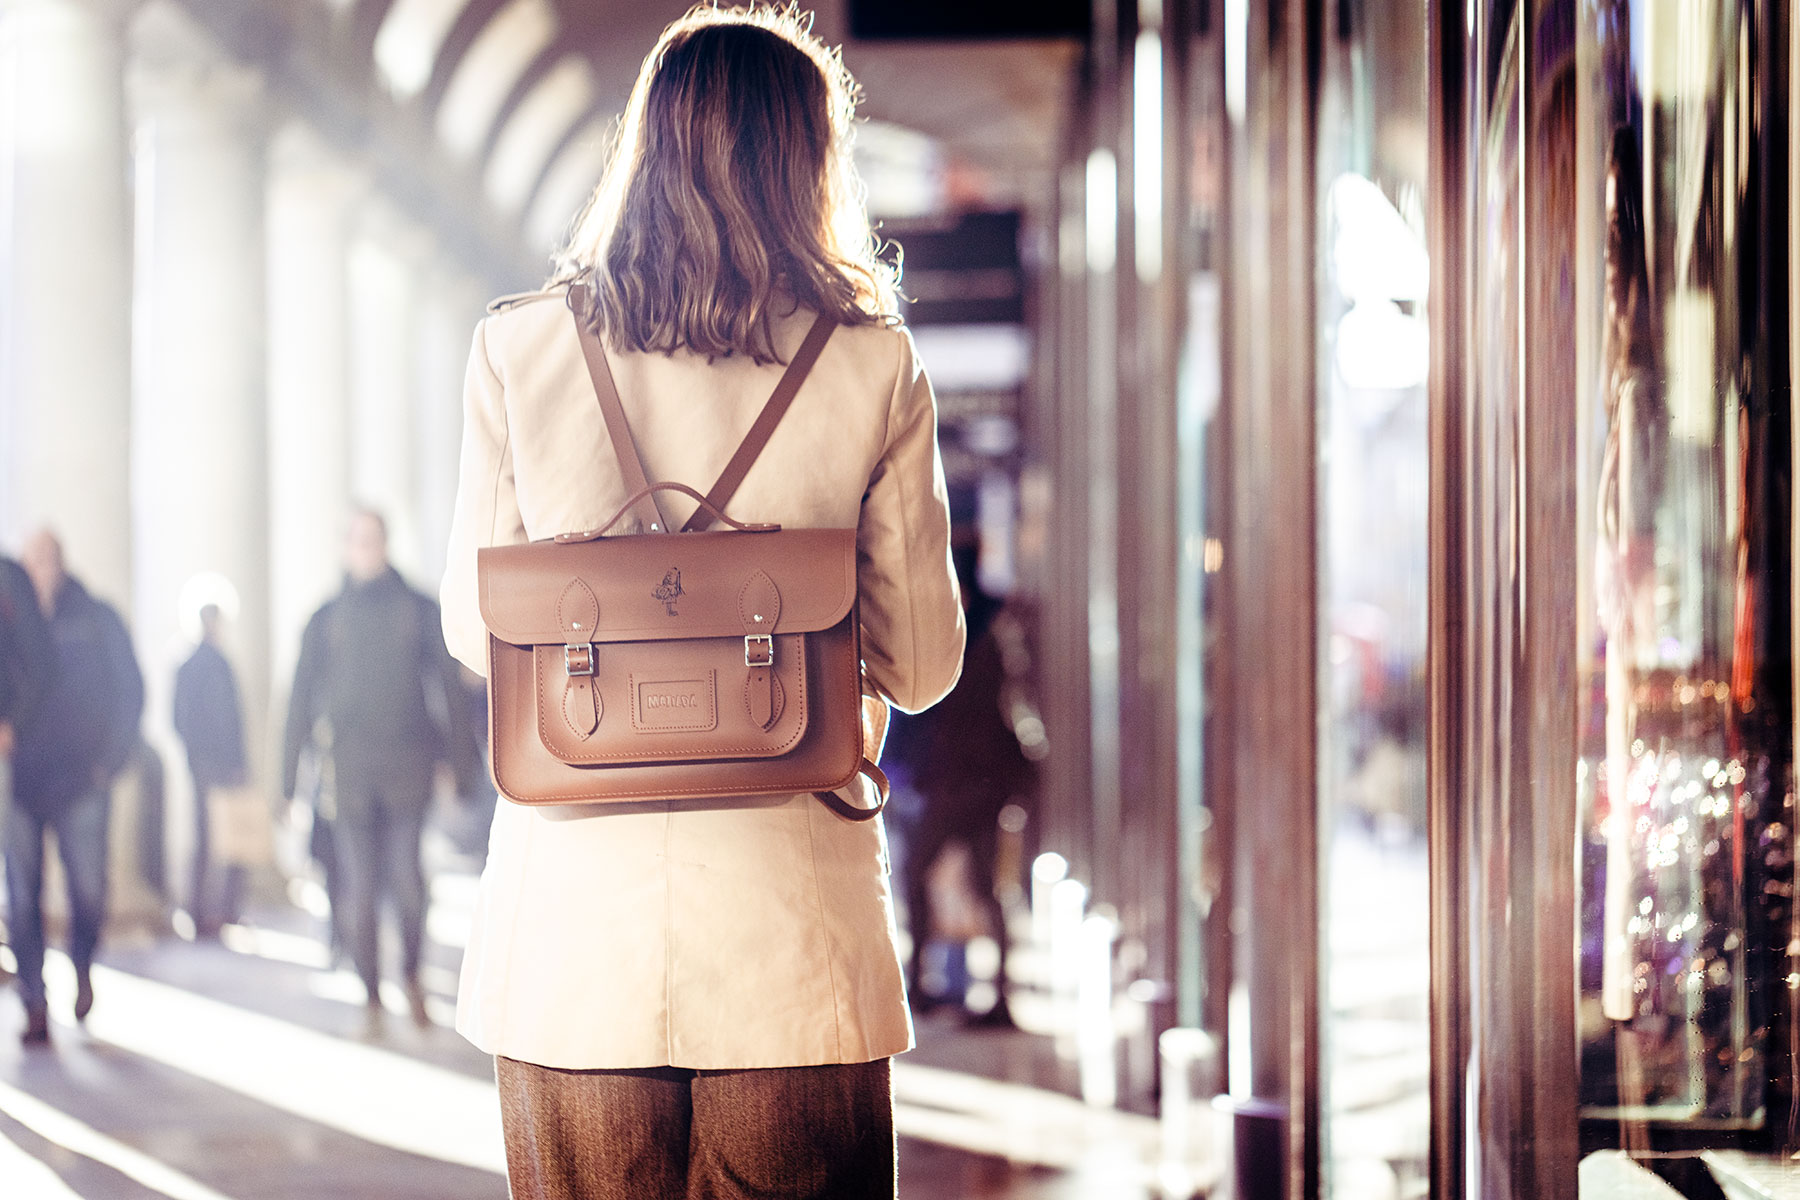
[
  {"x": 618, "y": 430},
  {"x": 766, "y": 421}
]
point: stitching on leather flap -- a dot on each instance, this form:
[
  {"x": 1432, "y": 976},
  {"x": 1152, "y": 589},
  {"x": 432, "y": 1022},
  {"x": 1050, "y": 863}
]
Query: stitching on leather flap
[{"x": 618, "y": 572}]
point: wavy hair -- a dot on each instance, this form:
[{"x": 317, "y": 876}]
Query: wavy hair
[{"x": 730, "y": 197}]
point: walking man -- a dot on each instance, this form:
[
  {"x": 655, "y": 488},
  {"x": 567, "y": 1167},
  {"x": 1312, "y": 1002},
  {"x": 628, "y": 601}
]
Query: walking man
[
  {"x": 67, "y": 755},
  {"x": 210, "y": 722},
  {"x": 27, "y": 656},
  {"x": 374, "y": 671}
]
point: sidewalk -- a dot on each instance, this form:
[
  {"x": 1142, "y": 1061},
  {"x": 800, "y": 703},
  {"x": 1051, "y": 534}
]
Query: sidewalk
[{"x": 239, "y": 1070}]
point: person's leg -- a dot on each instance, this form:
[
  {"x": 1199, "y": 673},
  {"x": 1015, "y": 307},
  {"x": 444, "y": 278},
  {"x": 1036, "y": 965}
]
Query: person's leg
[
  {"x": 356, "y": 836},
  {"x": 199, "y": 904},
  {"x": 231, "y": 893},
  {"x": 405, "y": 806},
  {"x": 323, "y": 846},
  {"x": 984, "y": 859},
  {"x": 594, "y": 1135},
  {"x": 23, "y": 834},
  {"x": 81, "y": 842},
  {"x": 5, "y": 806},
  {"x": 794, "y": 1133},
  {"x": 929, "y": 838},
  {"x": 404, "y": 883}
]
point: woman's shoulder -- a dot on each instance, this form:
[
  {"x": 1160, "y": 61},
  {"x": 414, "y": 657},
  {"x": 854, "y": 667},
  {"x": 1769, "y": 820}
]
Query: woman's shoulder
[
  {"x": 525, "y": 328},
  {"x": 881, "y": 347},
  {"x": 522, "y": 312},
  {"x": 521, "y": 300}
]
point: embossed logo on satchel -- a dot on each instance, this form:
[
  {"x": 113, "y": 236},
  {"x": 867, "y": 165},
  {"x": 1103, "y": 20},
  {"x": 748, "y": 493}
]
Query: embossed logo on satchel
[
  {"x": 675, "y": 705},
  {"x": 669, "y": 590}
]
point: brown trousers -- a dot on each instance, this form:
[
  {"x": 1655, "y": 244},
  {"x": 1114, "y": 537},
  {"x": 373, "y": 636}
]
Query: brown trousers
[{"x": 666, "y": 1133}]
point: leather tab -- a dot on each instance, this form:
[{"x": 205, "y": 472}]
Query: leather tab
[
  {"x": 581, "y": 706},
  {"x": 578, "y": 612},
  {"x": 759, "y": 608},
  {"x": 764, "y": 697},
  {"x": 759, "y": 604},
  {"x": 578, "y": 616}
]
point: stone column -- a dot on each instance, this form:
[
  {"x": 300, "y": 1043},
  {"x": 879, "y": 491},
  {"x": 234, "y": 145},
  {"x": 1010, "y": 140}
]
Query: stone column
[
  {"x": 200, "y": 491},
  {"x": 387, "y": 254},
  {"x": 451, "y": 304},
  {"x": 312, "y": 194},
  {"x": 65, "y": 299}
]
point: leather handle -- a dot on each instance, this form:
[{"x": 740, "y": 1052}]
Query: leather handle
[
  {"x": 588, "y": 535},
  {"x": 849, "y": 811}
]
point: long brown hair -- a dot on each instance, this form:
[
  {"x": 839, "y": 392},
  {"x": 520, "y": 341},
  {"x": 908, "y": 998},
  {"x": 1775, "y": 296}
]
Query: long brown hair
[{"x": 730, "y": 197}]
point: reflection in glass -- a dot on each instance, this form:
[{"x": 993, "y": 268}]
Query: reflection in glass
[{"x": 1686, "y": 701}]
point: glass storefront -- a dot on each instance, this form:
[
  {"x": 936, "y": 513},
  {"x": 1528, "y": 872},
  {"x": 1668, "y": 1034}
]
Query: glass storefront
[
  {"x": 1477, "y": 845},
  {"x": 1616, "y": 533}
]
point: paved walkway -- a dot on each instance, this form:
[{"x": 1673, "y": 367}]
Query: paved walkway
[{"x": 240, "y": 1070}]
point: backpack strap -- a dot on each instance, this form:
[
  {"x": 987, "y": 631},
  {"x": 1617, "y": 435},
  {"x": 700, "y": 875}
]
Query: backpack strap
[
  {"x": 618, "y": 429},
  {"x": 764, "y": 426}
]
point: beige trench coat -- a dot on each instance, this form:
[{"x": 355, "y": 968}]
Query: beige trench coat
[{"x": 741, "y": 934}]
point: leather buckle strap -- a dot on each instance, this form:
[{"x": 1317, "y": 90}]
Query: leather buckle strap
[
  {"x": 578, "y": 660},
  {"x": 759, "y": 650}
]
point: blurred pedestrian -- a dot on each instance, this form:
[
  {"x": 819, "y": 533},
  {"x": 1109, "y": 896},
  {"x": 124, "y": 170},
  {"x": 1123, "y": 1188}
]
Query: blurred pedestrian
[
  {"x": 966, "y": 764},
  {"x": 27, "y": 657},
  {"x": 373, "y": 670},
  {"x": 68, "y": 753},
  {"x": 210, "y": 723},
  {"x": 701, "y": 996}
]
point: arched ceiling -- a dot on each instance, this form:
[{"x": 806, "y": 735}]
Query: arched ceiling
[
  {"x": 489, "y": 119},
  {"x": 525, "y": 91}
]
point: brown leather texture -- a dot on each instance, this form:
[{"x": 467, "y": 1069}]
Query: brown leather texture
[
  {"x": 671, "y": 666},
  {"x": 659, "y": 666}
]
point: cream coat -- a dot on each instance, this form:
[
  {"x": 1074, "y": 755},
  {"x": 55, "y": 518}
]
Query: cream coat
[{"x": 706, "y": 935}]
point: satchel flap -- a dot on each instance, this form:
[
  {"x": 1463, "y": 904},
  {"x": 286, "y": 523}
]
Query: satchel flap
[{"x": 650, "y": 587}]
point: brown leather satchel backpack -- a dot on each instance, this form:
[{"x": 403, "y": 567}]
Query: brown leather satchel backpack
[{"x": 659, "y": 666}]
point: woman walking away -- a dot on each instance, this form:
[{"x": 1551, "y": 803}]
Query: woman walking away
[{"x": 700, "y": 997}]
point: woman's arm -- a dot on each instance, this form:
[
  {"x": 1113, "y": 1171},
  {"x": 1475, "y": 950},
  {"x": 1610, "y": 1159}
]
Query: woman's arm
[
  {"x": 912, "y": 619},
  {"x": 487, "y": 507}
]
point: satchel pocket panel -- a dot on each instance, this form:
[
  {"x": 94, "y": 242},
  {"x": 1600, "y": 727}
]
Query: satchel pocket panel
[{"x": 675, "y": 701}]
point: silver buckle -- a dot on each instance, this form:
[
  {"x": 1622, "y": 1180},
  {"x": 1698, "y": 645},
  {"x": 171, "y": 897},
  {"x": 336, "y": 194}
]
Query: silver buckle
[
  {"x": 578, "y": 660},
  {"x": 762, "y": 646}
]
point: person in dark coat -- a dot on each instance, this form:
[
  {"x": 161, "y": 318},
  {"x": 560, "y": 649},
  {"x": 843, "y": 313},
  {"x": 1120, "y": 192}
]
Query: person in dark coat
[
  {"x": 209, "y": 720},
  {"x": 374, "y": 672},
  {"x": 68, "y": 754},
  {"x": 27, "y": 658},
  {"x": 965, "y": 763}
]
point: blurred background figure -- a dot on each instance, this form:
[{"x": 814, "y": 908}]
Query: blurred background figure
[
  {"x": 26, "y": 657},
  {"x": 209, "y": 720},
  {"x": 963, "y": 765},
  {"x": 67, "y": 755},
  {"x": 374, "y": 674}
]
